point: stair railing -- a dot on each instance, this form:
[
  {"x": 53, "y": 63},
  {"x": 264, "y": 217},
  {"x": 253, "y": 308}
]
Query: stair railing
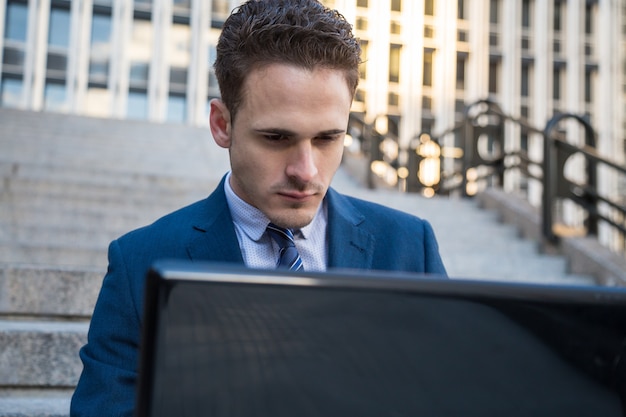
[
  {"x": 482, "y": 157},
  {"x": 482, "y": 136}
]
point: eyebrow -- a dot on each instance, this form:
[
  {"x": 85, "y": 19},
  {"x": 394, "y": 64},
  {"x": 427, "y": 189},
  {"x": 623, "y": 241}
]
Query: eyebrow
[{"x": 285, "y": 132}]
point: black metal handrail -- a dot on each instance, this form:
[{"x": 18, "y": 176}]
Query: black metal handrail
[{"x": 480, "y": 136}]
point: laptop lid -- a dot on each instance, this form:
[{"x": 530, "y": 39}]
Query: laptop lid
[{"x": 222, "y": 340}]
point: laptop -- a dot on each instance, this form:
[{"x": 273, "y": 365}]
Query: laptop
[{"x": 222, "y": 340}]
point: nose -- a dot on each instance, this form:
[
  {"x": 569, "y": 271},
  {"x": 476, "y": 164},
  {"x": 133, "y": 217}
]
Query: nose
[{"x": 301, "y": 164}]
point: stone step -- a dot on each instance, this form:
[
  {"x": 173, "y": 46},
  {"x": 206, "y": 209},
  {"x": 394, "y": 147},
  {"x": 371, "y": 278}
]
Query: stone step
[
  {"x": 41, "y": 353},
  {"x": 35, "y": 402},
  {"x": 45, "y": 291},
  {"x": 474, "y": 243},
  {"x": 74, "y": 197},
  {"x": 36, "y": 176},
  {"x": 34, "y": 254}
]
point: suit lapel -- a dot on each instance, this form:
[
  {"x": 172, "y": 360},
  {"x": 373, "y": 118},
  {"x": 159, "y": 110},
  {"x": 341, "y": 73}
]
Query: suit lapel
[
  {"x": 214, "y": 237},
  {"x": 349, "y": 245}
]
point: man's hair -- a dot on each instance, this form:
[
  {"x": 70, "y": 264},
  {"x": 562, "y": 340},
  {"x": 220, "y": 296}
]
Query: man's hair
[{"x": 302, "y": 33}]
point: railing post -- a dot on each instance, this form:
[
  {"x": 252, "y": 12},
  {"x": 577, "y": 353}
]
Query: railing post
[
  {"x": 549, "y": 186},
  {"x": 553, "y": 175}
]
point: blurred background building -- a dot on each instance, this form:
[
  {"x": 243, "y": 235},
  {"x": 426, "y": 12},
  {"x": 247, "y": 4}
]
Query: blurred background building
[{"x": 424, "y": 60}]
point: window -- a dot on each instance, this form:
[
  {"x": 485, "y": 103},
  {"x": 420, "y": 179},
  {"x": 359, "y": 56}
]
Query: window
[
  {"x": 100, "y": 50},
  {"x": 182, "y": 5},
  {"x": 526, "y": 13},
  {"x": 141, "y": 52},
  {"x": 429, "y": 7},
  {"x": 364, "y": 57},
  {"x": 460, "y": 72},
  {"x": 396, "y": 5},
  {"x": 59, "y": 28},
  {"x": 55, "y": 95},
  {"x": 176, "y": 108},
  {"x": 494, "y": 11},
  {"x": 460, "y": 10},
  {"x": 427, "y": 103},
  {"x": 362, "y": 3},
  {"x": 212, "y": 79},
  {"x": 525, "y": 79},
  {"x": 393, "y": 99},
  {"x": 589, "y": 16},
  {"x": 428, "y": 68},
  {"x": 589, "y": 85},
  {"x": 494, "y": 39},
  {"x": 494, "y": 75},
  {"x": 361, "y": 23},
  {"x": 395, "y": 27},
  {"x": 180, "y": 47},
  {"x": 137, "y": 106},
  {"x": 558, "y": 17},
  {"x": 10, "y": 92},
  {"x": 394, "y": 62},
  {"x": 220, "y": 9},
  {"x": 556, "y": 83},
  {"x": 16, "y": 20}
]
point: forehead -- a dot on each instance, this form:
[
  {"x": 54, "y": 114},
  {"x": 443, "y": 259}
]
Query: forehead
[{"x": 288, "y": 89}]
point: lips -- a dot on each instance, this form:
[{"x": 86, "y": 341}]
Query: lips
[{"x": 297, "y": 195}]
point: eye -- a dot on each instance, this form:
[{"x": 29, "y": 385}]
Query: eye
[
  {"x": 275, "y": 137},
  {"x": 329, "y": 137}
]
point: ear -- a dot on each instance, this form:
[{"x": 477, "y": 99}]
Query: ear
[{"x": 219, "y": 121}]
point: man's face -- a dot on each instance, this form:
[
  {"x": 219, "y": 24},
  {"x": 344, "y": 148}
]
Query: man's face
[{"x": 286, "y": 141}]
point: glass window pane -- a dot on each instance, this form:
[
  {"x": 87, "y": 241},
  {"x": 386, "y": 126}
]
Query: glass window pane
[
  {"x": 10, "y": 92},
  {"x": 180, "y": 47},
  {"x": 176, "y": 109},
  {"x": 494, "y": 11},
  {"x": 13, "y": 57},
  {"x": 100, "y": 47},
  {"x": 394, "y": 63},
  {"x": 59, "y": 29},
  {"x": 364, "y": 58},
  {"x": 55, "y": 96},
  {"x": 16, "y": 20},
  {"x": 182, "y": 5},
  {"x": 428, "y": 69},
  {"x": 137, "y": 106},
  {"x": 429, "y": 8},
  {"x": 56, "y": 62},
  {"x": 140, "y": 51}
]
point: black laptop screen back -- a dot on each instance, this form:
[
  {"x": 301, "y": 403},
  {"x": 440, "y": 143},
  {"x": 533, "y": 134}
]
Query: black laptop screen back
[{"x": 219, "y": 348}]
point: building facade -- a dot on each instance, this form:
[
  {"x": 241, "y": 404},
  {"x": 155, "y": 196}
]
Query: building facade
[{"x": 424, "y": 60}]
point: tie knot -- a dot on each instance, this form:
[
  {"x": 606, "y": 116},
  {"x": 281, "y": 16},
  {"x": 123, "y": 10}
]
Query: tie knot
[
  {"x": 289, "y": 257},
  {"x": 282, "y": 236}
]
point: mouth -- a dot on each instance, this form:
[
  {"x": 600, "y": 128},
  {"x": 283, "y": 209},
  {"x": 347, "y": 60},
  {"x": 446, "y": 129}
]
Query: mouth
[{"x": 298, "y": 196}]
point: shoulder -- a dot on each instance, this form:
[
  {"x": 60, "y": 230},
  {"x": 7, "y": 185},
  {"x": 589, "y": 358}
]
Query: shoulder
[{"x": 369, "y": 211}]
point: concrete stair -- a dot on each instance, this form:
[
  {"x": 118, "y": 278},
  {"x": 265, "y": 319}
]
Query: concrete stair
[{"x": 70, "y": 184}]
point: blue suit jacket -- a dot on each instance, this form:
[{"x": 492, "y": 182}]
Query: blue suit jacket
[{"x": 362, "y": 235}]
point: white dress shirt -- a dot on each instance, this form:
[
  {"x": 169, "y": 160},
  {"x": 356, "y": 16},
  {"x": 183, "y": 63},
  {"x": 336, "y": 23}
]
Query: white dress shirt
[{"x": 259, "y": 250}]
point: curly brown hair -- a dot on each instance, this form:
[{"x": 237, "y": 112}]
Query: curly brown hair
[{"x": 303, "y": 33}]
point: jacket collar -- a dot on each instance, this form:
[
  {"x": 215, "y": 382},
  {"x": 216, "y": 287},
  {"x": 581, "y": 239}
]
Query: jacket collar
[
  {"x": 215, "y": 239},
  {"x": 350, "y": 245}
]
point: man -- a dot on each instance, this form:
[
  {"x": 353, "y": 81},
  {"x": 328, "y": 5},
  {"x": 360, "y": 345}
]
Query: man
[{"x": 287, "y": 71}]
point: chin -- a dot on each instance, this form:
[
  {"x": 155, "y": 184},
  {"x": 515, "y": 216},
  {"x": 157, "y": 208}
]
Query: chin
[{"x": 293, "y": 219}]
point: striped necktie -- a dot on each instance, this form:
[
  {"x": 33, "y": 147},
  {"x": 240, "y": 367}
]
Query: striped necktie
[{"x": 289, "y": 256}]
